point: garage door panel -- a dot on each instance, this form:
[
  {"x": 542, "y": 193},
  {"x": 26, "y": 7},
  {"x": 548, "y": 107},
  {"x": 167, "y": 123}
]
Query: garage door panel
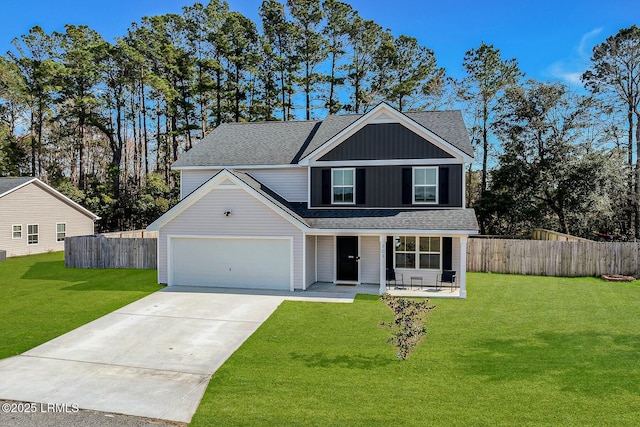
[{"x": 220, "y": 262}]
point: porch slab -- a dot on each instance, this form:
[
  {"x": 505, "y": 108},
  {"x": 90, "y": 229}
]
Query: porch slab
[{"x": 328, "y": 288}]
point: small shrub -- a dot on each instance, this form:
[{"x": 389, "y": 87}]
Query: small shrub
[{"x": 409, "y": 322}]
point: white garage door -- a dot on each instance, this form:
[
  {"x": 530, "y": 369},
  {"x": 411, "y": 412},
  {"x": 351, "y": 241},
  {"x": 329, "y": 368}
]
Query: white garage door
[{"x": 228, "y": 262}]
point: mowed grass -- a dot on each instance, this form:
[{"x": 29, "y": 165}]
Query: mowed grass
[
  {"x": 40, "y": 299},
  {"x": 519, "y": 351}
]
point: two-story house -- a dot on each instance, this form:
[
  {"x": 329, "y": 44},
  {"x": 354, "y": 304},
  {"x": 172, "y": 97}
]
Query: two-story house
[{"x": 282, "y": 205}]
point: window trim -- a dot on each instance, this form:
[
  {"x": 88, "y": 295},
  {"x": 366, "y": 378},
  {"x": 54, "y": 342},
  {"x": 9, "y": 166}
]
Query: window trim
[
  {"x": 37, "y": 234},
  {"x": 57, "y": 232},
  {"x": 417, "y": 253},
  {"x": 413, "y": 185},
  {"x": 333, "y": 196},
  {"x": 13, "y": 235}
]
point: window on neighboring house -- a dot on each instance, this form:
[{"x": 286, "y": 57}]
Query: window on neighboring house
[
  {"x": 417, "y": 252},
  {"x": 32, "y": 234},
  {"x": 343, "y": 186},
  {"x": 61, "y": 231},
  {"x": 425, "y": 185},
  {"x": 16, "y": 231}
]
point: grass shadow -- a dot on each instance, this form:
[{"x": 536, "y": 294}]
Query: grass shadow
[
  {"x": 592, "y": 363},
  {"x": 85, "y": 279},
  {"x": 351, "y": 361}
]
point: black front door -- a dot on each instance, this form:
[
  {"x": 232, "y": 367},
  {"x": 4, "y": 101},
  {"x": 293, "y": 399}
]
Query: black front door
[{"x": 347, "y": 258}]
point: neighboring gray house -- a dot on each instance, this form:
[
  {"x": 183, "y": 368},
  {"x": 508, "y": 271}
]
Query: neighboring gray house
[
  {"x": 35, "y": 218},
  {"x": 283, "y": 205}
]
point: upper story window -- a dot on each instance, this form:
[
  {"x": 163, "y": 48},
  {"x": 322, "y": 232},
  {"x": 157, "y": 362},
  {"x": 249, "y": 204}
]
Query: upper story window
[
  {"x": 61, "y": 231},
  {"x": 343, "y": 186},
  {"x": 32, "y": 234},
  {"x": 16, "y": 231},
  {"x": 425, "y": 184}
]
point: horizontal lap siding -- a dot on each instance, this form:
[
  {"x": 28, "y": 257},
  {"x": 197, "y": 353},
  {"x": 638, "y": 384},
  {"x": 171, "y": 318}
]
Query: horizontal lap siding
[
  {"x": 249, "y": 217},
  {"x": 191, "y": 180},
  {"x": 326, "y": 258},
  {"x": 370, "y": 259},
  {"x": 33, "y": 205},
  {"x": 288, "y": 183}
]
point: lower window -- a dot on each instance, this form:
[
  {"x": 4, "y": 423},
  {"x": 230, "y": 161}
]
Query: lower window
[
  {"x": 32, "y": 234},
  {"x": 61, "y": 231},
  {"x": 16, "y": 231},
  {"x": 417, "y": 252}
]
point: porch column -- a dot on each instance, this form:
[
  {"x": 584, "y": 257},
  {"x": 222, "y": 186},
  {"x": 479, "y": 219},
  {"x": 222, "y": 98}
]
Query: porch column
[
  {"x": 463, "y": 266},
  {"x": 383, "y": 264}
]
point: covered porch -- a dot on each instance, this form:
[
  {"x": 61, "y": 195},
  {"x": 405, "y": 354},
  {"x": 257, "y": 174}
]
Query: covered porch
[
  {"x": 331, "y": 288},
  {"x": 361, "y": 263}
]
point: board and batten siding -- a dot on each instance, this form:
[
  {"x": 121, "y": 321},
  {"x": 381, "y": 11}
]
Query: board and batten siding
[
  {"x": 33, "y": 205},
  {"x": 326, "y": 258},
  {"x": 384, "y": 187},
  {"x": 249, "y": 217},
  {"x": 385, "y": 141},
  {"x": 290, "y": 183},
  {"x": 192, "y": 179},
  {"x": 369, "y": 259}
]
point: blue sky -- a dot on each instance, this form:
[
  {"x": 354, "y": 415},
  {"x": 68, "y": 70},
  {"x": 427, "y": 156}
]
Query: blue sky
[{"x": 552, "y": 40}]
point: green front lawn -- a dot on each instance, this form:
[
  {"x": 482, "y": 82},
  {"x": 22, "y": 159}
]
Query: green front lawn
[
  {"x": 519, "y": 351},
  {"x": 40, "y": 299}
]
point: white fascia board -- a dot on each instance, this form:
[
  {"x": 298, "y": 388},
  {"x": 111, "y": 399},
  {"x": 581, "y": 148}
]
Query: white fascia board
[
  {"x": 204, "y": 189},
  {"x": 396, "y": 117},
  {"x": 18, "y": 187},
  {"x": 389, "y": 231},
  {"x": 394, "y": 162},
  {"x": 236, "y": 167}
]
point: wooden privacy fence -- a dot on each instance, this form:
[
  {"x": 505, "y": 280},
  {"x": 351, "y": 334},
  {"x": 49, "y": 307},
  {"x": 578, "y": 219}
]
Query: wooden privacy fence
[
  {"x": 98, "y": 251},
  {"x": 552, "y": 258}
]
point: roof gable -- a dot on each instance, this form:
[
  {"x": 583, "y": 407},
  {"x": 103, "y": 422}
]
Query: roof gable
[
  {"x": 9, "y": 185},
  {"x": 383, "y": 113},
  {"x": 385, "y": 141},
  {"x": 229, "y": 179}
]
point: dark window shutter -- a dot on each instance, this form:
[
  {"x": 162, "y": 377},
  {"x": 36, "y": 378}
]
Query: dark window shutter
[
  {"x": 443, "y": 186},
  {"x": 360, "y": 186},
  {"x": 326, "y": 186},
  {"x": 389, "y": 252},
  {"x": 447, "y": 253},
  {"x": 407, "y": 182}
]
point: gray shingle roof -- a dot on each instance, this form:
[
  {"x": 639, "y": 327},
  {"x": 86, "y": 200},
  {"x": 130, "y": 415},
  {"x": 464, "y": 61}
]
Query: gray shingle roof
[
  {"x": 282, "y": 143},
  {"x": 437, "y": 219},
  {"x": 8, "y": 184},
  {"x": 368, "y": 219},
  {"x": 255, "y": 143}
]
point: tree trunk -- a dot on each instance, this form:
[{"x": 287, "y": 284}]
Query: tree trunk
[
  {"x": 636, "y": 198},
  {"x": 81, "y": 167},
  {"x": 485, "y": 146},
  {"x": 144, "y": 125},
  {"x": 632, "y": 191}
]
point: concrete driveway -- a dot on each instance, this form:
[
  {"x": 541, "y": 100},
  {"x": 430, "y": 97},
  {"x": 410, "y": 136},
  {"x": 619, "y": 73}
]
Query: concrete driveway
[{"x": 152, "y": 358}]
